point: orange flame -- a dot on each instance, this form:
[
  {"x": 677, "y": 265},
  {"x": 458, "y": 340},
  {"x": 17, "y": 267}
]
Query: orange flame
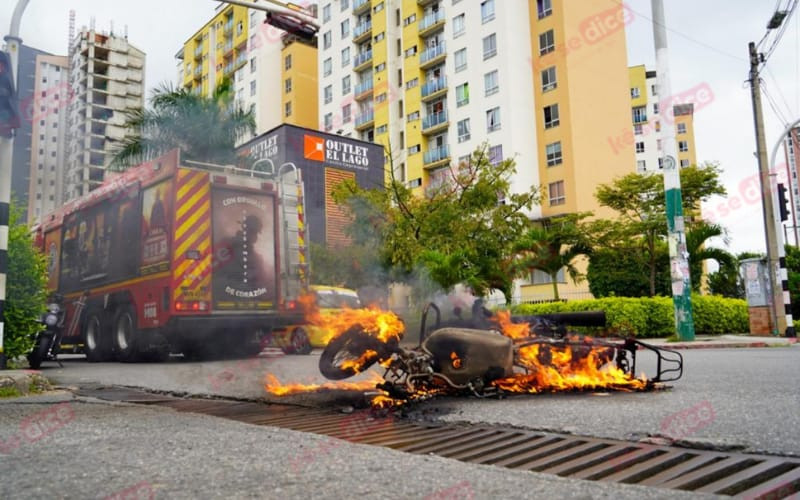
[
  {"x": 384, "y": 325},
  {"x": 456, "y": 360},
  {"x": 357, "y": 365},
  {"x": 275, "y": 387}
]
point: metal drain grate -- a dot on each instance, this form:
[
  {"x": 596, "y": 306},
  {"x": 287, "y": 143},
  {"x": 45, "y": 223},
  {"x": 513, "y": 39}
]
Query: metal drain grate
[{"x": 735, "y": 474}]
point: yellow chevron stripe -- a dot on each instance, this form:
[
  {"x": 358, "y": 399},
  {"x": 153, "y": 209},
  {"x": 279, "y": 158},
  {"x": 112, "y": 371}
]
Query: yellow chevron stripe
[
  {"x": 187, "y": 224},
  {"x": 181, "y": 268},
  {"x": 191, "y": 284},
  {"x": 191, "y": 202},
  {"x": 189, "y": 185},
  {"x": 201, "y": 232}
]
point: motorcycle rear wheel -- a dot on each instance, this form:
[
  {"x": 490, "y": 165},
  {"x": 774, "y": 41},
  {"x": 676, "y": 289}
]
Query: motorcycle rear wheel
[{"x": 349, "y": 346}]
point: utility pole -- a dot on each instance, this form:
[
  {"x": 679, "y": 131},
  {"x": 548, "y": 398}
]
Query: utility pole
[
  {"x": 676, "y": 239},
  {"x": 13, "y": 42},
  {"x": 767, "y": 200}
]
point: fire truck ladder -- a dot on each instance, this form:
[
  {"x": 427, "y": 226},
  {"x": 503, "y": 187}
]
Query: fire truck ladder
[{"x": 294, "y": 265}]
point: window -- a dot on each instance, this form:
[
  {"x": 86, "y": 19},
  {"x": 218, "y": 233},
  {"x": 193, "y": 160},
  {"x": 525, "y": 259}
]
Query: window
[
  {"x": 410, "y": 19},
  {"x": 681, "y": 128},
  {"x": 287, "y": 85},
  {"x": 661, "y": 163},
  {"x": 253, "y": 65},
  {"x": 493, "y": 120},
  {"x": 326, "y": 13},
  {"x": 346, "y": 85},
  {"x": 490, "y": 83},
  {"x": 345, "y": 5},
  {"x": 345, "y": 28},
  {"x": 637, "y": 129},
  {"x": 380, "y": 67},
  {"x": 458, "y": 25},
  {"x": 684, "y": 163},
  {"x": 328, "y": 93},
  {"x": 655, "y": 108},
  {"x": 461, "y": 59},
  {"x": 551, "y": 118},
  {"x": 553, "y": 152},
  {"x": 287, "y": 109},
  {"x": 287, "y": 62},
  {"x": 495, "y": 154},
  {"x": 345, "y": 56},
  {"x": 411, "y": 51},
  {"x": 380, "y": 36},
  {"x": 490, "y": 46},
  {"x": 639, "y": 114},
  {"x": 549, "y": 79},
  {"x": 252, "y": 88},
  {"x": 413, "y": 116},
  {"x": 326, "y": 40},
  {"x": 462, "y": 94},
  {"x": 547, "y": 42},
  {"x": 346, "y": 113},
  {"x": 634, "y": 92},
  {"x": 463, "y": 130},
  {"x": 381, "y": 130},
  {"x": 327, "y": 67},
  {"x": 544, "y": 8},
  {"x": 328, "y": 121},
  {"x": 654, "y": 89},
  {"x": 683, "y": 146},
  {"x": 658, "y": 144},
  {"x": 414, "y": 149},
  {"x": 380, "y": 97},
  {"x": 487, "y": 10},
  {"x": 641, "y": 166},
  {"x": 378, "y": 7},
  {"x": 640, "y": 147},
  {"x": 556, "y": 192},
  {"x": 412, "y": 83},
  {"x": 539, "y": 277}
]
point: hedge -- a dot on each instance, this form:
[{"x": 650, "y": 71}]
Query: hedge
[{"x": 653, "y": 316}]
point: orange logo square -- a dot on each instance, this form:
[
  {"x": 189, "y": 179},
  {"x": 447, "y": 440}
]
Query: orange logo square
[{"x": 313, "y": 148}]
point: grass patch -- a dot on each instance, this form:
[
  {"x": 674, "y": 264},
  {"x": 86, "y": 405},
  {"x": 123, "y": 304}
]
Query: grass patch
[{"x": 10, "y": 392}]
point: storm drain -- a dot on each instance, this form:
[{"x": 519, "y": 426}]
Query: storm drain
[{"x": 735, "y": 474}]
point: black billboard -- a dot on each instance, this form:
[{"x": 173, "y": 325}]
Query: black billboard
[{"x": 322, "y": 158}]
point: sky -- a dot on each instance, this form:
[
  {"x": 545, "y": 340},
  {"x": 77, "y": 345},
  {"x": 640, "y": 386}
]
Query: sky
[{"x": 707, "y": 46}]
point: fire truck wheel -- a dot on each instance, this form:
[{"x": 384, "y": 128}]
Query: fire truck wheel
[
  {"x": 124, "y": 334},
  {"x": 95, "y": 339}
]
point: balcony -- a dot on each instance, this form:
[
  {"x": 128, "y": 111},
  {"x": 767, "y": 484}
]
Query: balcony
[
  {"x": 436, "y": 157},
  {"x": 365, "y": 120},
  {"x": 360, "y": 7},
  {"x": 228, "y": 47},
  {"x": 435, "y": 122},
  {"x": 362, "y": 32},
  {"x": 434, "y": 88},
  {"x": 431, "y": 23},
  {"x": 425, "y": 3},
  {"x": 228, "y": 69},
  {"x": 363, "y": 90},
  {"x": 198, "y": 71},
  {"x": 432, "y": 56},
  {"x": 198, "y": 52},
  {"x": 362, "y": 60},
  {"x": 229, "y": 26},
  {"x": 240, "y": 59}
]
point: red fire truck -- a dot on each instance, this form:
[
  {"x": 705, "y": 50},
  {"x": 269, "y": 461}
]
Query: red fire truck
[{"x": 179, "y": 255}]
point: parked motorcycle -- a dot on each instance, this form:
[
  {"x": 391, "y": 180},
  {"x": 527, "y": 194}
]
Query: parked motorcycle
[
  {"x": 48, "y": 340},
  {"x": 472, "y": 356}
]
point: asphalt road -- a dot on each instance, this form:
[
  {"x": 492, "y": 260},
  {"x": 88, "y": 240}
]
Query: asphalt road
[{"x": 747, "y": 398}]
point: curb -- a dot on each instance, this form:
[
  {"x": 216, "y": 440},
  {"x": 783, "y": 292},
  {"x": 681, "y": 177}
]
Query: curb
[{"x": 728, "y": 345}]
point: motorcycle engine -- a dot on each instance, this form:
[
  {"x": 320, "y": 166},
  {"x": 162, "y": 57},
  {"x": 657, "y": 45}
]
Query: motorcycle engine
[{"x": 464, "y": 354}]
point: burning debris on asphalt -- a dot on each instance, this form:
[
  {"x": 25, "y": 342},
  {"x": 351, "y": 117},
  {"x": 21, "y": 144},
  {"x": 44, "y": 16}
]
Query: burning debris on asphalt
[{"x": 506, "y": 357}]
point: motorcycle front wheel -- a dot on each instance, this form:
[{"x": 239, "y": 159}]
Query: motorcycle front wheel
[
  {"x": 39, "y": 352},
  {"x": 351, "y": 352}
]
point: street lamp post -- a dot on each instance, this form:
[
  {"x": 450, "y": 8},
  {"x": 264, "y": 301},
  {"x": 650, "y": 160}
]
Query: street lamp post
[{"x": 13, "y": 42}]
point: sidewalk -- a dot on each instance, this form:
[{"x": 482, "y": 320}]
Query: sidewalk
[{"x": 724, "y": 342}]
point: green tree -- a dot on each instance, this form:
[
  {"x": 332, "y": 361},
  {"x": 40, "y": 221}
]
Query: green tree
[
  {"x": 727, "y": 280},
  {"x": 620, "y": 271},
  {"x": 26, "y": 288},
  {"x": 793, "y": 272},
  {"x": 458, "y": 232},
  {"x": 696, "y": 238},
  {"x": 204, "y": 128},
  {"x": 641, "y": 206},
  {"x": 551, "y": 245}
]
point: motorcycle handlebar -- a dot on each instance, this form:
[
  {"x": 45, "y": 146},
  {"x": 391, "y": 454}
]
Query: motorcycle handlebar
[{"x": 582, "y": 318}]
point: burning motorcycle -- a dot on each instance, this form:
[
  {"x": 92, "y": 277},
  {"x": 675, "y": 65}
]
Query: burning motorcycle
[{"x": 491, "y": 354}]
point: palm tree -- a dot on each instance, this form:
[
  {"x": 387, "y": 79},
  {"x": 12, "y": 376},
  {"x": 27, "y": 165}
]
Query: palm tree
[
  {"x": 696, "y": 237},
  {"x": 552, "y": 246},
  {"x": 204, "y": 128}
]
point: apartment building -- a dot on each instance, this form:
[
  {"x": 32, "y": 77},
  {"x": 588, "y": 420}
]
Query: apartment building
[
  {"x": 791, "y": 150},
  {"x": 272, "y": 72},
  {"x": 46, "y": 111},
  {"x": 646, "y": 118},
  {"x": 106, "y": 75}
]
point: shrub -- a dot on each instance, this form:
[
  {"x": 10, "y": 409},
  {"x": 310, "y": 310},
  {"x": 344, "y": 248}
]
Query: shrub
[{"x": 653, "y": 316}]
